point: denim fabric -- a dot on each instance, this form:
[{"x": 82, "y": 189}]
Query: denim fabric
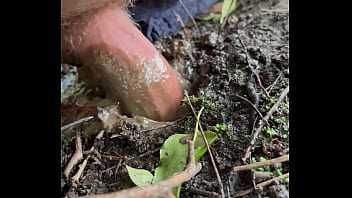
[{"x": 157, "y": 19}]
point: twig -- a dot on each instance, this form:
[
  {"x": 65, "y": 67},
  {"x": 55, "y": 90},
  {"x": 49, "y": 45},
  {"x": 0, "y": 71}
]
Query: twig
[
  {"x": 252, "y": 70},
  {"x": 95, "y": 159},
  {"x": 245, "y": 99},
  {"x": 263, "y": 121},
  {"x": 272, "y": 85},
  {"x": 162, "y": 188},
  {"x": 204, "y": 193},
  {"x": 100, "y": 135},
  {"x": 259, "y": 164},
  {"x": 167, "y": 124},
  {"x": 115, "y": 158},
  {"x": 179, "y": 19},
  {"x": 80, "y": 170},
  {"x": 77, "y": 156},
  {"x": 265, "y": 183},
  {"x": 90, "y": 154},
  {"x": 209, "y": 151},
  {"x": 148, "y": 153},
  {"x": 117, "y": 168},
  {"x": 159, "y": 127},
  {"x": 76, "y": 122},
  {"x": 190, "y": 15}
]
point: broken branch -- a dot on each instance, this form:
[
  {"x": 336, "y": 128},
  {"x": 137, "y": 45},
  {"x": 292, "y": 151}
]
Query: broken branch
[
  {"x": 76, "y": 157},
  {"x": 265, "y": 183},
  {"x": 254, "y": 107},
  {"x": 263, "y": 121},
  {"x": 76, "y": 123},
  {"x": 251, "y": 68},
  {"x": 259, "y": 164}
]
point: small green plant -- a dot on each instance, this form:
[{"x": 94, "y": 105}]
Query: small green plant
[
  {"x": 253, "y": 160},
  {"x": 262, "y": 159},
  {"x": 280, "y": 120},
  {"x": 213, "y": 106},
  {"x": 247, "y": 138},
  {"x": 276, "y": 172},
  {"x": 270, "y": 131},
  {"x": 221, "y": 127},
  {"x": 201, "y": 100},
  {"x": 284, "y": 106},
  {"x": 228, "y": 7},
  {"x": 173, "y": 157},
  {"x": 201, "y": 94},
  {"x": 270, "y": 103}
]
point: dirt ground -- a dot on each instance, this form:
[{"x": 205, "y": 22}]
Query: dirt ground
[{"x": 223, "y": 70}]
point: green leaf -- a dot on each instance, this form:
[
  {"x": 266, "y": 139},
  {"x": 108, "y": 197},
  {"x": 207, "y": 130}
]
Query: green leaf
[
  {"x": 253, "y": 160},
  {"x": 140, "y": 177},
  {"x": 221, "y": 127},
  {"x": 173, "y": 158},
  {"x": 215, "y": 17},
  {"x": 174, "y": 153},
  {"x": 199, "y": 146},
  {"x": 262, "y": 159},
  {"x": 227, "y": 8}
]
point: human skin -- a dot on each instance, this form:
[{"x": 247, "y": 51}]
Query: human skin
[{"x": 101, "y": 35}]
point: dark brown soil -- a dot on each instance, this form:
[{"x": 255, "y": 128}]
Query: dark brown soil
[{"x": 220, "y": 67}]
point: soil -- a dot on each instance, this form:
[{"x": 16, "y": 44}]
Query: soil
[{"x": 221, "y": 68}]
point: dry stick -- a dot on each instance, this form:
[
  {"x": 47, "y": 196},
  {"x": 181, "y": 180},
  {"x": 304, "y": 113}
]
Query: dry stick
[
  {"x": 117, "y": 168},
  {"x": 209, "y": 151},
  {"x": 84, "y": 164},
  {"x": 100, "y": 135},
  {"x": 162, "y": 188},
  {"x": 167, "y": 124},
  {"x": 190, "y": 15},
  {"x": 259, "y": 164},
  {"x": 275, "y": 81},
  {"x": 265, "y": 183},
  {"x": 252, "y": 70},
  {"x": 266, "y": 118},
  {"x": 115, "y": 158},
  {"x": 95, "y": 159},
  {"x": 204, "y": 193},
  {"x": 149, "y": 152},
  {"x": 76, "y": 122},
  {"x": 179, "y": 19},
  {"x": 80, "y": 170},
  {"x": 245, "y": 99},
  {"x": 76, "y": 157}
]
